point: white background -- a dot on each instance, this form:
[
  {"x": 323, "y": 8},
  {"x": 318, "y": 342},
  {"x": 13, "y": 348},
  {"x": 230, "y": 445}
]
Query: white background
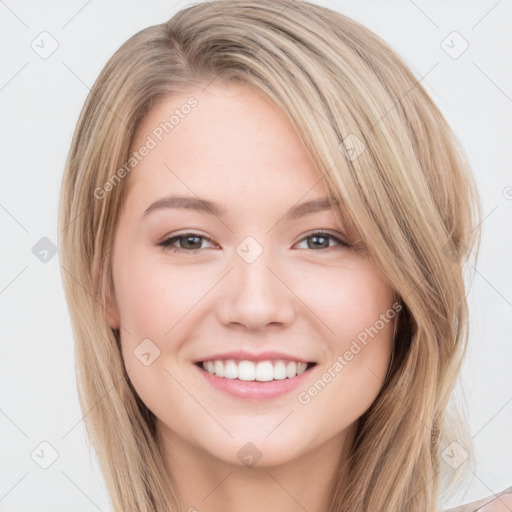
[{"x": 40, "y": 100}]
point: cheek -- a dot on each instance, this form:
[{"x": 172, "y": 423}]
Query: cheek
[
  {"x": 366, "y": 335},
  {"x": 158, "y": 306},
  {"x": 351, "y": 303},
  {"x": 153, "y": 304},
  {"x": 350, "y": 381},
  {"x": 154, "y": 298},
  {"x": 357, "y": 309}
]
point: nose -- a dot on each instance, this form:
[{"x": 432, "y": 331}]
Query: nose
[{"x": 255, "y": 295}]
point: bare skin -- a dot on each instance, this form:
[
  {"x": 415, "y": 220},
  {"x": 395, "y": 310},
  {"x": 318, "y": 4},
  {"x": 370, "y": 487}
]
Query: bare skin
[{"x": 501, "y": 502}]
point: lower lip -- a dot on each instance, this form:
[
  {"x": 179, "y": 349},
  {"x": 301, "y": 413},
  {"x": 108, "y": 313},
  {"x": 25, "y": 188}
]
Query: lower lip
[{"x": 255, "y": 390}]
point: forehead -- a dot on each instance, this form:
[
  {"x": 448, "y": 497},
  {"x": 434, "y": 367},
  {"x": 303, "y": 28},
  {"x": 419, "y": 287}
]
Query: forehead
[{"x": 232, "y": 142}]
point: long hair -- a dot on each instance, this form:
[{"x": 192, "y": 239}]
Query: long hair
[{"x": 385, "y": 153}]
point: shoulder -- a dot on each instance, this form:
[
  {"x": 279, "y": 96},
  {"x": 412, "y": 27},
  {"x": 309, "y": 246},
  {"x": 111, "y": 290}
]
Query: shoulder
[{"x": 500, "y": 502}]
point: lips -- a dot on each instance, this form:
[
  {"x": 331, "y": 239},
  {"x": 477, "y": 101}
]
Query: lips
[
  {"x": 264, "y": 366},
  {"x": 243, "y": 382}
]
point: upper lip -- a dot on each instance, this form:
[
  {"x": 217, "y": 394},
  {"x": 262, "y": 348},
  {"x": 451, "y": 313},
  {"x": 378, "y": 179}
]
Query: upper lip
[{"x": 249, "y": 356}]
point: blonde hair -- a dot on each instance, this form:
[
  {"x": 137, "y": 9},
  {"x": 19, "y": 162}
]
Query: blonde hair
[{"x": 385, "y": 153}]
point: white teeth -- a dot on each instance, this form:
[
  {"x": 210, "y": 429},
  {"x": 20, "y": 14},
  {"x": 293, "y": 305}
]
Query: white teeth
[
  {"x": 263, "y": 371},
  {"x": 291, "y": 370},
  {"x": 246, "y": 370},
  {"x": 218, "y": 368},
  {"x": 280, "y": 370},
  {"x": 230, "y": 370}
]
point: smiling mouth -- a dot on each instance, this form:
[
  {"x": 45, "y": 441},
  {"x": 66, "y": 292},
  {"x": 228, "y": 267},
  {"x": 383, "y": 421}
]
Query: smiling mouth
[{"x": 262, "y": 371}]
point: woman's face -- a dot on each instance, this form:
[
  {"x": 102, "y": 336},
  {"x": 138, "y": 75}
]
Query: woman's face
[{"x": 248, "y": 280}]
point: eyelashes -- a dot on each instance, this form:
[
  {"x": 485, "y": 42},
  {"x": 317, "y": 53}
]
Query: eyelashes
[{"x": 169, "y": 243}]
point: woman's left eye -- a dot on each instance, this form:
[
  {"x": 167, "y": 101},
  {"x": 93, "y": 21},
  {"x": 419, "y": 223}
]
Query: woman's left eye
[
  {"x": 323, "y": 236},
  {"x": 191, "y": 242}
]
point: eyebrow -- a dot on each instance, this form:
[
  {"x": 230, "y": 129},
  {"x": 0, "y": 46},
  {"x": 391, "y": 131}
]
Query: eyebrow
[{"x": 212, "y": 208}]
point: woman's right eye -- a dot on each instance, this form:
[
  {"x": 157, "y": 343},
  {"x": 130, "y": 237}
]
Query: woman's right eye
[{"x": 190, "y": 244}]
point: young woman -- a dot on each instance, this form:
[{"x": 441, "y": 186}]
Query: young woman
[{"x": 265, "y": 221}]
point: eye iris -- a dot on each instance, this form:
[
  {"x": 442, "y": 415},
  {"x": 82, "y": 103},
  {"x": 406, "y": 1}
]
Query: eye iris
[
  {"x": 191, "y": 237},
  {"x": 316, "y": 237}
]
